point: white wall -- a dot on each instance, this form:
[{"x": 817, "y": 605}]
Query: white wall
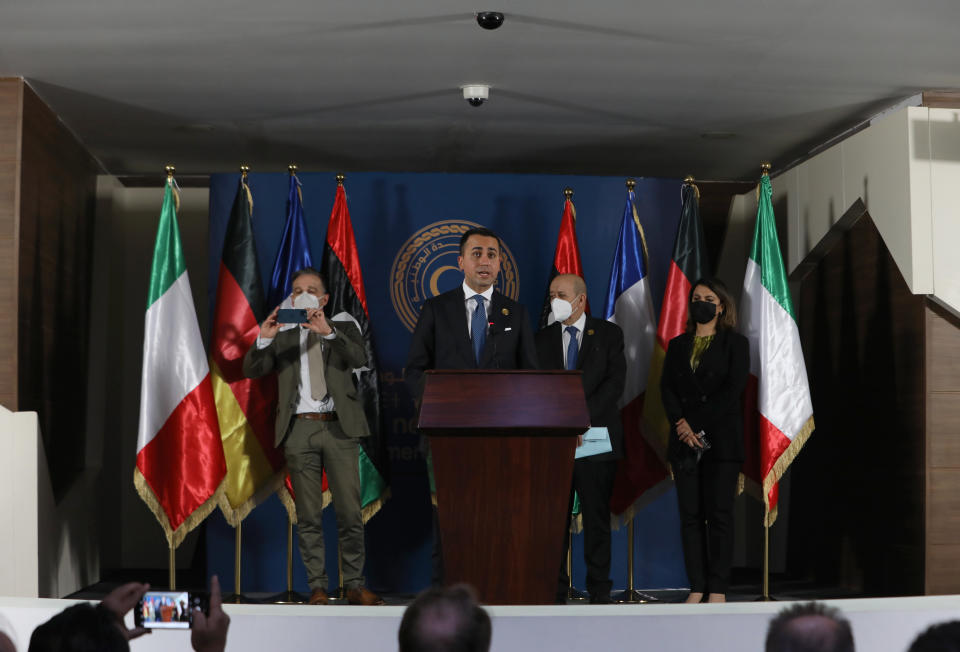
[
  {"x": 47, "y": 549},
  {"x": 943, "y": 129},
  {"x": 905, "y": 167}
]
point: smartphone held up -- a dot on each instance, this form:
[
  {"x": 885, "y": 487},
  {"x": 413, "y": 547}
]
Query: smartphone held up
[{"x": 169, "y": 609}]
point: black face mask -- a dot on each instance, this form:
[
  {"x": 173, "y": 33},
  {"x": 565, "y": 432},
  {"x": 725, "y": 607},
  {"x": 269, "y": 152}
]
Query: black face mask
[{"x": 702, "y": 311}]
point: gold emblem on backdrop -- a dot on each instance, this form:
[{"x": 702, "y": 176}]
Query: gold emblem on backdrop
[{"x": 426, "y": 265}]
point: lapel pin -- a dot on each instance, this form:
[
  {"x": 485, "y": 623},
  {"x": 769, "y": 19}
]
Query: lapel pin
[
  {"x": 590, "y": 332},
  {"x": 505, "y": 311}
]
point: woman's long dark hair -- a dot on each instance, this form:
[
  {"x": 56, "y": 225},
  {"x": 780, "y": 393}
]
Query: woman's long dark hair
[{"x": 728, "y": 318}]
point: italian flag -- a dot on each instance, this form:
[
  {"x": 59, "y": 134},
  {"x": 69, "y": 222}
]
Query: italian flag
[
  {"x": 778, "y": 411},
  {"x": 180, "y": 462}
]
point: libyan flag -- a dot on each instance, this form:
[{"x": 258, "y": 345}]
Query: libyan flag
[
  {"x": 566, "y": 258},
  {"x": 180, "y": 463},
  {"x": 348, "y": 300},
  {"x": 778, "y": 412},
  {"x": 245, "y": 406}
]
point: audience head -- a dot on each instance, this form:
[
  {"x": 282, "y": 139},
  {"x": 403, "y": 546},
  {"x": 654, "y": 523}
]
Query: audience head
[
  {"x": 944, "y": 637},
  {"x": 80, "y": 628},
  {"x": 445, "y": 620},
  {"x": 8, "y": 637},
  {"x": 809, "y": 627}
]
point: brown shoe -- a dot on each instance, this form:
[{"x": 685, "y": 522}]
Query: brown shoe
[
  {"x": 319, "y": 596},
  {"x": 363, "y": 596}
]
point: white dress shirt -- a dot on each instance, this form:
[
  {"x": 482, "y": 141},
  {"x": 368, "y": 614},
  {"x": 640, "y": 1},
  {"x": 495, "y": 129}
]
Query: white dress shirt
[
  {"x": 470, "y": 304},
  {"x": 306, "y": 402}
]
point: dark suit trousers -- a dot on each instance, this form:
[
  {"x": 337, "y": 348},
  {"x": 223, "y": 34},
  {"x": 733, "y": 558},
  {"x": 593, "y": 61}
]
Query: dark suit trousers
[
  {"x": 594, "y": 482},
  {"x": 705, "y": 497}
]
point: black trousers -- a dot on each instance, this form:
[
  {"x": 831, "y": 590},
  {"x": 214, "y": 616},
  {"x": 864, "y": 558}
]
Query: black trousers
[
  {"x": 593, "y": 481},
  {"x": 705, "y": 496}
]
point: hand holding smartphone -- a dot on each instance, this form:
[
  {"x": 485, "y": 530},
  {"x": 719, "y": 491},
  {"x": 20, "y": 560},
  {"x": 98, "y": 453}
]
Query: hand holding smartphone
[{"x": 169, "y": 609}]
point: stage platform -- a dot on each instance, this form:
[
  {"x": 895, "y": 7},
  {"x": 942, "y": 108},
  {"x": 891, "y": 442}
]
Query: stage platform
[{"x": 879, "y": 625}]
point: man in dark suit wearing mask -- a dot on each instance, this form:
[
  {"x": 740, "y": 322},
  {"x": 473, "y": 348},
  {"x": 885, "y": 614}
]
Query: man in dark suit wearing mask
[{"x": 594, "y": 346}]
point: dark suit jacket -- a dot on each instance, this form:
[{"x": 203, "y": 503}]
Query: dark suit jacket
[
  {"x": 604, "y": 372},
  {"x": 441, "y": 339},
  {"x": 709, "y": 399},
  {"x": 342, "y": 355}
]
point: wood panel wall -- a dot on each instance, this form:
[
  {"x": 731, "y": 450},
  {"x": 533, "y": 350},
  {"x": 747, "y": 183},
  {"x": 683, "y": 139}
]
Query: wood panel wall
[
  {"x": 58, "y": 187},
  {"x": 942, "y": 568},
  {"x": 47, "y": 208},
  {"x": 858, "y": 486},
  {"x": 10, "y": 114}
]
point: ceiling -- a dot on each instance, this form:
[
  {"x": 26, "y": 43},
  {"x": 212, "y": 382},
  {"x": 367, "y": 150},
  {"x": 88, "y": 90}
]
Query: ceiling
[{"x": 702, "y": 87}]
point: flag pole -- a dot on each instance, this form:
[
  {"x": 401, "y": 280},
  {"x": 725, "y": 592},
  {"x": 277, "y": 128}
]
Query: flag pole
[
  {"x": 766, "y": 560},
  {"x": 341, "y": 593},
  {"x": 289, "y": 555},
  {"x": 765, "y": 172},
  {"x": 572, "y": 592},
  {"x": 630, "y": 595},
  {"x": 170, "y": 169},
  {"x": 237, "y": 597},
  {"x": 289, "y": 596}
]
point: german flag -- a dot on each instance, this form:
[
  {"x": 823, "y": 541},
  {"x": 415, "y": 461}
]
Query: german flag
[
  {"x": 245, "y": 406},
  {"x": 566, "y": 258},
  {"x": 689, "y": 264},
  {"x": 348, "y": 300}
]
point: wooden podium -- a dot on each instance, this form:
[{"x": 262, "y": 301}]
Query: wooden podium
[{"x": 503, "y": 444}]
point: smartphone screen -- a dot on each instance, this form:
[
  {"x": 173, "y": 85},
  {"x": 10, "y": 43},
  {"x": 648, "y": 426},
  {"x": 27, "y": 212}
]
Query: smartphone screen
[
  {"x": 292, "y": 316},
  {"x": 164, "y": 610}
]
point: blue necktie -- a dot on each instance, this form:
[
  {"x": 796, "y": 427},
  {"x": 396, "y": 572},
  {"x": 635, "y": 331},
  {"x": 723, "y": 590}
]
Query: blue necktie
[
  {"x": 478, "y": 328},
  {"x": 572, "y": 348}
]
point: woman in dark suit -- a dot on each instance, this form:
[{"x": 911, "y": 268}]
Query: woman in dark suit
[{"x": 704, "y": 375}]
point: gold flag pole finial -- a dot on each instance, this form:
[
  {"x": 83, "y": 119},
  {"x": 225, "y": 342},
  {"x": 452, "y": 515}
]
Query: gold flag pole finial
[
  {"x": 170, "y": 170},
  {"x": 340, "y": 179},
  {"x": 292, "y": 168},
  {"x": 568, "y": 193},
  {"x": 631, "y": 184},
  {"x": 765, "y": 169},
  {"x": 688, "y": 180},
  {"x": 244, "y": 170}
]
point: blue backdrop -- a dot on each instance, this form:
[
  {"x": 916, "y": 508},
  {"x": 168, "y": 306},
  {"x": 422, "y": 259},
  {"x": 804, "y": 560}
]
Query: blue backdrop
[{"x": 387, "y": 210}]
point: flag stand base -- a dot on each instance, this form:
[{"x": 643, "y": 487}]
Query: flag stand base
[
  {"x": 238, "y": 598},
  {"x": 288, "y": 597},
  {"x": 632, "y": 596},
  {"x": 576, "y": 595}
]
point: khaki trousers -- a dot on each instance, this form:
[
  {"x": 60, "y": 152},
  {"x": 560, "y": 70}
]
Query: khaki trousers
[{"x": 310, "y": 448}]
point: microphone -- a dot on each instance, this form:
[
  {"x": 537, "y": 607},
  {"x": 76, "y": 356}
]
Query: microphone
[{"x": 491, "y": 332}]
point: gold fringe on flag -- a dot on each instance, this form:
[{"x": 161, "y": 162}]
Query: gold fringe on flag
[
  {"x": 175, "y": 537},
  {"x": 781, "y": 466}
]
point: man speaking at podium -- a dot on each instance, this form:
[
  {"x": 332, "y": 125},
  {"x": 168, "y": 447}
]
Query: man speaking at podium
[
  {"x": 594, "y": 346},
  {"x": 470, "y": 327}
]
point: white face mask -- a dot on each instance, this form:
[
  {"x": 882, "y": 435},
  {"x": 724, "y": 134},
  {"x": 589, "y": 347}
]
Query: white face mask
[
  {"x": 561, "y": 309},
  {"x": 306, "y": 301}
]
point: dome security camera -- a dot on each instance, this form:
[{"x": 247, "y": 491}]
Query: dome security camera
[
  {"x": 476, "y": 94},
  {"x": 489, "y": 19}
]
